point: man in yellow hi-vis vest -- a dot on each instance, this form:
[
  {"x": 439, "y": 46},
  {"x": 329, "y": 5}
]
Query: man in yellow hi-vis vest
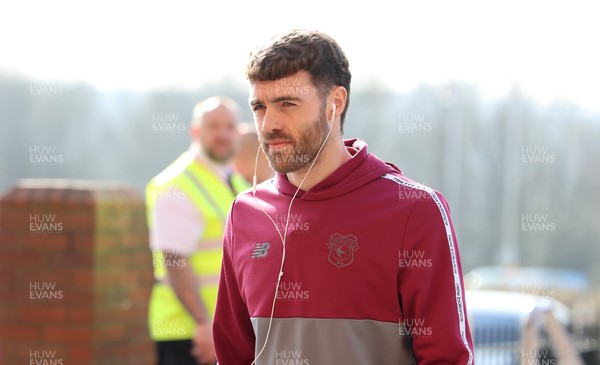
[{"x": 187, "y": 205}]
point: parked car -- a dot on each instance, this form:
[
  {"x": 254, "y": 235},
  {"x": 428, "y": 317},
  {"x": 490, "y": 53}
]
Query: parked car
[
  {"x": 571, "y": 287},
  {"x": 541, "y": 281},
  {"x": 515, "y": 328}
]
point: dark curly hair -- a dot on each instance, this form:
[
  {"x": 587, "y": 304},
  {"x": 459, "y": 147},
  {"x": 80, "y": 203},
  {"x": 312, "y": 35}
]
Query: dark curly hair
[{"x": 309, "y": 50}]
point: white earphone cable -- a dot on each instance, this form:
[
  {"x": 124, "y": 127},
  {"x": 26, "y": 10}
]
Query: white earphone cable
[{"x": 287, "y": 220}]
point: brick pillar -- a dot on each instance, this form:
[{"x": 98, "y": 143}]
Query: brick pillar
[{"x": 75, "y": 274}]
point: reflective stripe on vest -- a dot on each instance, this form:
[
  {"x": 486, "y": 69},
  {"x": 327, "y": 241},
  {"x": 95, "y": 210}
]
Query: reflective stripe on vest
[{"x": 206, "y": 195}]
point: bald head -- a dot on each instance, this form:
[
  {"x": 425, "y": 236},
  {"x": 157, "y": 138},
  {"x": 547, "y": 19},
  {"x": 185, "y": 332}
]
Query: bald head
[
  {"x": 214, "y": 103},
  {"x": 214, "y": 127}
]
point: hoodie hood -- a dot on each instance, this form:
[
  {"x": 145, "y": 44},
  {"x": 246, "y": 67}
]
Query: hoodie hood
[{"x": 360, "y": 170}]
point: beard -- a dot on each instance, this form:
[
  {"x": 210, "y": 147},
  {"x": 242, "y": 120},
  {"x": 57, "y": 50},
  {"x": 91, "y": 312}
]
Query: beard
[
  {"x": 221, "y": 159},
  {"x": 221, "y": 156},
  {"x": 301, "y": 152}
]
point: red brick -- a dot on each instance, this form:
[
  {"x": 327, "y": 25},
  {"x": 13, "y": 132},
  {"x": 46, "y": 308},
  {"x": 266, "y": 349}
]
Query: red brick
[
  {"x": 139, "y": 295},
  {"x": 107, "y": 242},
  {"x": 132, "y": 348},
  {"x": 60, "y": 276},
  {"x": 99, "y": 260},
  {"x": 15, "y": 217},
  {"x": 113, "y": 334},
  {"x": 21, "y": 259},
  {"x": 8, "y": 308},
  {"x": 16, "y": 351},
  {"x": 81, "y": 315},
  {"x": 119, "y": 260},
  {"x": 83, "y": 241},
  {"x": 43, "y": 314},
  {"x": 16, "y": 194},
  {"x": 38, "y": 194},
  {"x": 106, "y": 278},
  {"x": 82, "y": 221},
  {"x": 7, "y": 293},
  {"x": 73, "y": 297},
  {"x": 19, "y": 332},
  {"x": 134, "y": 241},
  {"x": 118, "y": 274},
  {"x": 82, "y": 278},
  {"x": 57, "y": 241},
  {"x": 140, "y": 333},
  {"x": 10, "y": 240},
  {"x": 142, "y": 259},
  {"x": 7, "y": 277},
  {"x": 80, "y": 355},
  {"x": 46, "y": 241},
  {"x": 70, "y": 260},
  {"x": 81, "y": 196},
  {"x": 67, "y": 334}
]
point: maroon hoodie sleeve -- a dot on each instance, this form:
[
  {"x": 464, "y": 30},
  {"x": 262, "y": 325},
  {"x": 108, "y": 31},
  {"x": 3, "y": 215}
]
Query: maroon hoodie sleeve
[
  {"x": 232, "y": 330},
  {"x": 431, "y": 289}
]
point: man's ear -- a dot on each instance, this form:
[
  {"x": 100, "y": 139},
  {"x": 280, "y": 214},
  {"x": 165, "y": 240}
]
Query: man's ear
[
  {"x": 339, "y": 95},
  {"x": 195, "y": 131}
]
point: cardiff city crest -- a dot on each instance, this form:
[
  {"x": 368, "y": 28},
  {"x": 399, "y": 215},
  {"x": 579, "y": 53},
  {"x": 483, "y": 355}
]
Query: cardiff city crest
[{"x": 341, "y": 249}]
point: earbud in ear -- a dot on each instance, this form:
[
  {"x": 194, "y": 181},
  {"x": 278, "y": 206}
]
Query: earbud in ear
[{"x": 333, "y": 116}]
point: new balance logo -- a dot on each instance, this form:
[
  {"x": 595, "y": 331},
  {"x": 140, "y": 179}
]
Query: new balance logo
[{"x": 260, "y": 250}]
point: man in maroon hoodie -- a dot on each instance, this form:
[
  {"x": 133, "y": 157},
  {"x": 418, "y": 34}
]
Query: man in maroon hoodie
[{"x": 339, "y": 259}]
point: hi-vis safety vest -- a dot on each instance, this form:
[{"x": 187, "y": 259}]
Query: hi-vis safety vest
[{"x": 187, "y": 179}]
